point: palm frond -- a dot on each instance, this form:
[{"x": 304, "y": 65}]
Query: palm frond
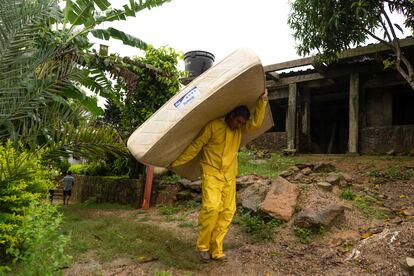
[{"x": 85, "y": 140}]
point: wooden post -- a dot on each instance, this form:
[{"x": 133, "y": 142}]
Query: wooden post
[
  {"x": 148, "y": 186},
  {"x": 353, "y": 113},
  {"x": 292, "y": 116}
]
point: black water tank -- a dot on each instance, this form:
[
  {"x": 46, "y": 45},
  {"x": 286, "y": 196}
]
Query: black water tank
[{"x": 196, "y": 62}]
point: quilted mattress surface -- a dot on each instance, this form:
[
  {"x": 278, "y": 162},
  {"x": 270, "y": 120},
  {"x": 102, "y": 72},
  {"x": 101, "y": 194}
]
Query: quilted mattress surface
[{"x": 237, "y": 80}]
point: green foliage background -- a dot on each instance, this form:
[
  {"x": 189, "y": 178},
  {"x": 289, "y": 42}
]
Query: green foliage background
[
  {"x": 23, "y": 182},
  {"x": 150, "y": 92}
]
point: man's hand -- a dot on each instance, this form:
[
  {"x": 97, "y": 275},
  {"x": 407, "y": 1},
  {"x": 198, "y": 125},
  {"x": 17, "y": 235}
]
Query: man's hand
[{"x": 264, "y": 95}]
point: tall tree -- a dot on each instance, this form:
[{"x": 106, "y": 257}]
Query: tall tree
[{"x": 331, "y": 26}]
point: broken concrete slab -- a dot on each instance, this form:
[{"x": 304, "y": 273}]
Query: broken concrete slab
[
  {"x": 281, "y": 200},
  {"x": 309, "y": 218}
]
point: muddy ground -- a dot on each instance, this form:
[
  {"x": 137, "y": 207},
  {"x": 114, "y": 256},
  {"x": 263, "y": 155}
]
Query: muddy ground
[{"x": 360, "y": 244}]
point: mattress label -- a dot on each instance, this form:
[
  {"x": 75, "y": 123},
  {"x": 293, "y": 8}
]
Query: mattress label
[{"x": 189, "y": 97}]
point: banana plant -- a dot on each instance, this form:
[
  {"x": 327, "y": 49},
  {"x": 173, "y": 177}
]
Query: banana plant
[
  {"x": 69, "y": 28},
  {"x": 46, "y": 69}
]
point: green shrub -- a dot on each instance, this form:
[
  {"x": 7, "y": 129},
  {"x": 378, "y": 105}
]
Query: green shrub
[
  {"x": 399, "y": 174},
  {"x": 29, "y": 231},
  {"x": 168, "y": 211},
  {"x": 348, "y": 194},
  {"x": 192, "y": 205},
  {"x": 121, "y": 166},
  {"x": 95, "y": 169},
  {"x": 394, "y": 173},
  {"x": 376, "y": 173},
  {"x": 305, "y": 235},
  {"x": 260, "y": 227},
  {"x": 366, "y": 205},
  {"x": 42, "y": 251},
  {"x": 23, "y": 181}
]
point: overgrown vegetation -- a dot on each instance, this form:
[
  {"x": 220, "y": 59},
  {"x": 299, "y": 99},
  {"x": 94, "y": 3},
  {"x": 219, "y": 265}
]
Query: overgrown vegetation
[
  {"x": 366, "y": 204},
  {"x": 97, "y": 169},
  {"x": 392, "y": 173},
  {"x": 92, "y": 203},
  {"x": 139, "y": 93},
  {"x": 110, "y": 236},
  {"x": 347, "y": 194},
  {"x": 27, "y": 227},
  {"x": 306, "y": 235},
  {"x": 48, "y": 69},
  {"x": 261, "y": 227},
  {"x": 168, "y": 211},
  {"x": 270, "y": 167},
  {"x": 328, "y": 27},
  {"x": 42, "y": 251}
]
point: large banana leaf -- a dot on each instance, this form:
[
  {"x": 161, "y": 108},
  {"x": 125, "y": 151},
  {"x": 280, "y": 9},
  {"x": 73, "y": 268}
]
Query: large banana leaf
[{"x": 127, "y": 39}]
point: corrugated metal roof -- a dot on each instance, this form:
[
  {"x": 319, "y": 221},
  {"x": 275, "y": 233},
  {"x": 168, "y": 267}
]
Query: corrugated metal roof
[{"x": 359, "y": 59}]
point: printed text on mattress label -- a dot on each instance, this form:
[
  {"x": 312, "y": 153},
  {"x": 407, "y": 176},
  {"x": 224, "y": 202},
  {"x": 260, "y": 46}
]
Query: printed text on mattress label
[{"x": 187, "y": 98}]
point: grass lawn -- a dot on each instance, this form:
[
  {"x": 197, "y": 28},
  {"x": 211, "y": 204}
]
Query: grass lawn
[
  {"x": 111, "y": 237},
  {"x": 270, "y": 167}
]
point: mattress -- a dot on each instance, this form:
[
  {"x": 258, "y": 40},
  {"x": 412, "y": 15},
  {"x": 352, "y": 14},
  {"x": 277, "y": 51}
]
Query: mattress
[{"x": 237, "y": 80}]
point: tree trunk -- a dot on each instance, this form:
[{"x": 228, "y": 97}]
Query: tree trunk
[{"x": 407, "y": 74}]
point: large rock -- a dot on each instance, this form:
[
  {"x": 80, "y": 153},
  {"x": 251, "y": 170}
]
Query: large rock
[
  {"x": 410, "y": 262},
  {"x": 286, "y": 174},
  {"x": 325, "y": 186},
  {"x": 302, "y": 166},
  {"x": 306, "y": 171},
  {"x": 309, "y": 218},
  {"x": 333, "y": 178},
  {"x": 280, "y": 201},
  {"x": 299, "y": 177},
  {"x": 251, "y": 197},
  {"x": 192, "y": 185},
  {"x": 347, "y": 177},
  {"x": 246, "y": 180}
]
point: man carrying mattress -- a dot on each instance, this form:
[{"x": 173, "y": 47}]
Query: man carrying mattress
[{"x": 219, "y": 142}]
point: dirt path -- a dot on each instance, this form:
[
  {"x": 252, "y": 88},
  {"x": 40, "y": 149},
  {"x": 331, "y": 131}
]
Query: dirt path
[{"x": 360, "y": 245}]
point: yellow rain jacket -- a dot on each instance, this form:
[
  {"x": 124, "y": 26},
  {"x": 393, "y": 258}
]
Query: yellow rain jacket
[{"x": 219, "y": 145}]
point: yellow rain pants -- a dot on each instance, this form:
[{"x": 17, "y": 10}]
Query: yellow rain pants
[{"x": 219, "y": 145}]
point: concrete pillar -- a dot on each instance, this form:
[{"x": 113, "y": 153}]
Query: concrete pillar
[
  {"x": 306, "y": 118},
  {"x": 291, "y": 130},
  {"x": 353, "y": 113}
]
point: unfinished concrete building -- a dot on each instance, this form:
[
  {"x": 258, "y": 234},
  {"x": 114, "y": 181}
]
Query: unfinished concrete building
[{"x": 352, "y": 106}]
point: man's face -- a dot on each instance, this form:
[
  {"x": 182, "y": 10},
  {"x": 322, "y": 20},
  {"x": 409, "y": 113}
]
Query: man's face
[{"x": 236, "y": 122}]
